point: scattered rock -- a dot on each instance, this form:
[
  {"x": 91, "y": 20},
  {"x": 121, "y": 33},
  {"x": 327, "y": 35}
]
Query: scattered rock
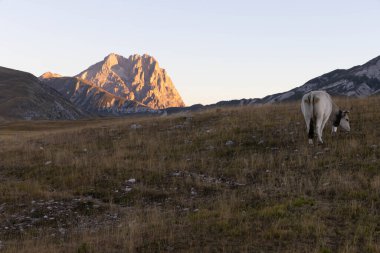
[
  {"x": 237, "y": 184},
  {"x": 136, "y": 126},
  {"x": 48, "y": 162},
  {"x": 169, "y": 248},
  {"x": 230, "y": 143},
  {"x": 206, "y": 178},
  {"x": 176, "y": 174},
  {"x": 55, "y": 216},
  {"x": 131, "y": 181},
  {"x": 62, "y": 231}
]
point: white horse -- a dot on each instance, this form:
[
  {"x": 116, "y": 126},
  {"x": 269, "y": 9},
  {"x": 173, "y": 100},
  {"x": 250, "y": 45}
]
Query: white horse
[{"x": 317, "y": 107}]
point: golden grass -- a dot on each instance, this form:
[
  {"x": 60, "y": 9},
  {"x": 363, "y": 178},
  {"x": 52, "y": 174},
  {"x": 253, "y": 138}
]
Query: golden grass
[{"x": 267, "y": 190}]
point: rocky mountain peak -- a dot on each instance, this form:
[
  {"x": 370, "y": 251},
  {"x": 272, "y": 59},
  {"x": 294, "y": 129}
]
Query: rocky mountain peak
[
  {"x": 111, "y": 60},
  {"x": 48, "y": 75},
  {"x": 137, "y": 78}
]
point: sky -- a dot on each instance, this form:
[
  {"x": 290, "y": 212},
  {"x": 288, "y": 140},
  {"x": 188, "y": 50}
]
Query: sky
[{"x": 212, "y": 49}]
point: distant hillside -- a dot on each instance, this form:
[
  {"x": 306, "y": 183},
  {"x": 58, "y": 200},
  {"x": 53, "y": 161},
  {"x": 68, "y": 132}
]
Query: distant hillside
[
  {"x": 358, "y": 81},
  {"x": 90, "y": 98},
  {"x": 23, "y": 96}
]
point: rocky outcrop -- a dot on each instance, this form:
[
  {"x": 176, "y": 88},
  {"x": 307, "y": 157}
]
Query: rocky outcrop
[{"x": 137, "y": 78}]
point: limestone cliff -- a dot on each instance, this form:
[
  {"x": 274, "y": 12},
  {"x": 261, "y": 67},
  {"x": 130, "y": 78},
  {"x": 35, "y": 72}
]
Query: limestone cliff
[{"x": 137, "y": 78}]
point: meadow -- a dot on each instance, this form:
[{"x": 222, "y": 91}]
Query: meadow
[{"x": 240, "y": 179}]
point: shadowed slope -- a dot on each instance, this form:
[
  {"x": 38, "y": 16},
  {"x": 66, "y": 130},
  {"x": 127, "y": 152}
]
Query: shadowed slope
[
  {"x": 23, "y": 96},
  {"x": 91, "y": 98}
]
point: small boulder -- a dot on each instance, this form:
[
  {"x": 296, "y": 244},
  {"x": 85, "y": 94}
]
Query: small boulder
[
  {"x": 136, "y": 126},
  {"x": 229, "y": 143}
]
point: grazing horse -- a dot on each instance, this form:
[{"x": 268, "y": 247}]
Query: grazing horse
[{"x": 317, "y": 107}]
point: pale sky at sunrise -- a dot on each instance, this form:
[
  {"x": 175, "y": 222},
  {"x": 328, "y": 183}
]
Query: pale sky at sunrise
[{"x": 212, "y": 49}]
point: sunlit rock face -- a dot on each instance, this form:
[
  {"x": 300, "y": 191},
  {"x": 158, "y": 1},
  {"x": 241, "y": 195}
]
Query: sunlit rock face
[
  {"x": 47, "y": 75},
  {"x": 136, "y": 78}
]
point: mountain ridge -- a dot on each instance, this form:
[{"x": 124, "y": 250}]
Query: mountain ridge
[
  {"x": 357, "y": 81},
  {"x": 52, "y": 96}
]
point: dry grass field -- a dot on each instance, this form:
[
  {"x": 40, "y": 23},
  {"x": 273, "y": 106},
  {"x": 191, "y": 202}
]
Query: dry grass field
[{"x": 226, "y": 180}]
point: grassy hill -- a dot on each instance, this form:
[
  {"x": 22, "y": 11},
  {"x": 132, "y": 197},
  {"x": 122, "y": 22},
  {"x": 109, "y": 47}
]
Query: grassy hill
[
  {"x": 23, "y": 96},
  {"x": 226, "y": 180}
]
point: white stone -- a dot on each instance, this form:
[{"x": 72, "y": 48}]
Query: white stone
[
  {"x": 131, "y": 180},
  {"x": 230, "y": 143}
]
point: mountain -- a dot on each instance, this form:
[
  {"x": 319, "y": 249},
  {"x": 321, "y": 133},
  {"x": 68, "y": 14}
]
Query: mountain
[
  {"x": 49, "y": 75},
  {"x": 90, "y": 98},
  {"x": 23, "y": 96},
  {"x": 358, "y": 81},
  {"x": 137, "y": 78}
]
